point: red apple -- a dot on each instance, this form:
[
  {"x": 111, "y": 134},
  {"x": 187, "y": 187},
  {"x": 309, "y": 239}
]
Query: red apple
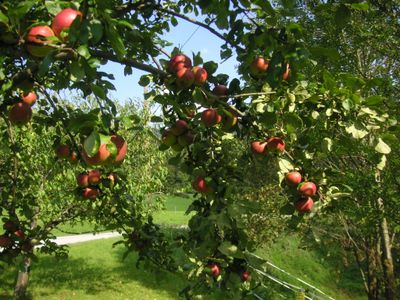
[
  {"x": 307, "y": 188},
  {"x": 5, "y": 241},
  {"x": 200, "y": 75},
  {"x": 214, "y": 270},
  {"x": 275, "y": 144},
  {"x": 90, "y": 193},
  {"x": 122, "y": 147},
  {"x": 286, "y": 74},
  {"x": 200, "y": 185},
  {"x": 180, "y": 127},
  {"x": 178, "y": 62},
  {"x": 210, "y": 117},
  {"x": 94, "y": 177},
  {"x": 186, "y": 139},
  {"x": 293, "y": 178},
  {"x": 100, "y": 158},
  {"x": 220, "y": 90},
  {"x": 10, "y": 226},
  {"x": 304, "y": 205},
  {"x": 29, "y": 98},
  {"x": 38, "y": 41},
  {"x": 20, "y": 234},
  {"x": 258, "y": 147},
  {"x": 26, "y": 246},
  {"x": 259, "y": 66},
  {"x": 168, "y": 138},
  {"x": 82, "y": 180},
  {"x": 184, "y": 78},
  {"x": 20, "y": 113},
  {"x": 245, "y": 276},
  {"x": 63, "y": 151},
  {"x": 64, "y": 19}
]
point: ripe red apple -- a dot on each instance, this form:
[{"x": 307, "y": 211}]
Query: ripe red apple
[
  {"x": 186, "y": 139},
  {"x": 168, "y": 138},
  {"x": 304, "y": 205},
  {"x": 122, "y": 147},
  {"x": 90, "y": 193},
  {"x": 275, "y": 144},
  {"x": 307, "y": 188},
  {"x": 29, "y": 98},
  {"x": 180, "y": 127},
  {"x": 20, "y": 234},
  {"x": 178, "y": 62},
  {"x": 200, "y": 75},
  {"x": 5, "y": 241},
  {"x": 63, "y": 151},
  {"x": 220, "y": 90},
  {"x": 20, "y": 113},
  {"x": 184, "y": 78},
  {"x": 286, "y": 74},
  {"x": 245, "y": 276},
  {"x": 293, "y": 178},
  {"x": 200, "y": 185},
  {"x": 258, "y": 147},
  {"x": 100, "y": 158},
  {"x": 64, "y": 19},
  {"x": 214, "y": 270},
  {"x": 94, "y": 177},
  {"x": 259, "y": 66},
  {"x": 38, "y": 41},
  {"x": 210, "y": 117},
  {"x": 10, "y": 226},
  {"x": 82, "y": 180}
]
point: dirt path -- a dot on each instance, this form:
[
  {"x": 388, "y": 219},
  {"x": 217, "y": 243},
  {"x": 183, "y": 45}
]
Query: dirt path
[{"x": 79, "y": 238}]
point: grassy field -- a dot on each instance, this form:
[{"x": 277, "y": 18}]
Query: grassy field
[{"x": 95, "y": 270}]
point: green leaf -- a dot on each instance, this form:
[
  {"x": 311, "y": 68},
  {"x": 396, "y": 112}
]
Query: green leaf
[
  {"x": 330, "y": 53},
  {"x": 210, "y": 67},
  {"x": 285, "y": 165},
  {"x": 287, "y": 209},
  {"x": 382, "y": 147},
  {"x": 360, "y": 6},
  {"x": 342, "y": 16},
  {"x": 95, "y": 31},
  {"x": 112, "y": 148},
  {"x": 98, "y": 91},
  {"x": 229, "y": 249},
  {"x": 144, "y": 80},
  {"x": 77, "y": 72},
  {"x": 174, "y": 21},
  {"x": 156, "y": 119},
  {"x": 83, "y": 51},
  {"x": 3, "y": 18},
  {"x": 326, "y": 145},
  {"x": 356, "y": 133},
  {"x": 92, "y": 143},
  {"x": 374, "y": 100},
  {"x": 382, "y": 163},
  {"x": 115, "y": 40}
]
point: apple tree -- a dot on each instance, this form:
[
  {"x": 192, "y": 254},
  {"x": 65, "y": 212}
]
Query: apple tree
[{"x": 287, "y": 111}]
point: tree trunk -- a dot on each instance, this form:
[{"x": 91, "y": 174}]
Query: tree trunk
[
  {"x": 22, "y": 280},
  {"x": 387, "y": 259}
]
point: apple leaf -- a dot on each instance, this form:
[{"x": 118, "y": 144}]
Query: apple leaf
[
  {"x": 374, "y": 100},
  {"x": 230, "y": 250},
  {"x": 326, "y": 145},
  {"x": 382, "y": 147},
  {"x": 112, "y": 148},
  {"x": 382, "y": 163},
  {"x": 285, "y": 165},
  {"x": 356, "y": 133},
  {"x": 287, "y": 209},
  {"x": 92, "y": 143}
]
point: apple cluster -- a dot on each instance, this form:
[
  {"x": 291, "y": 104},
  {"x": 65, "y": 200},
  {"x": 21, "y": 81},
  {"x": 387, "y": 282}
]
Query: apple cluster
[
  {"x": 89, "y": 183},
  {"x": 186, "y": 75},
  {"x": 259, "y": 67},
  {"x": 65, "y": 152},
  {"x": 40, "y": 38},
  {"x": 14, "y": 233},
  {"x": 273, "y": 144},
  {"x": 178, "y": 136},
  {"x": 305, "y": 189},
  {"x": 103, "y": 155},
  {"x": 21, "y": 112},
  {"x": 214, "y": 270}
]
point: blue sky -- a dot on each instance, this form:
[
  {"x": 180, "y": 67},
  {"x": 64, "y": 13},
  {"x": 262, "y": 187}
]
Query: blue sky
[{"x": 202, "y": 40}]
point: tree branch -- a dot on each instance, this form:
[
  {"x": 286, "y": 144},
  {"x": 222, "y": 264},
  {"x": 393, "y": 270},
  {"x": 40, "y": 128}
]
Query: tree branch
[
  {"x": 128, "y": 62},
  {"x": 205, "y": 26}
]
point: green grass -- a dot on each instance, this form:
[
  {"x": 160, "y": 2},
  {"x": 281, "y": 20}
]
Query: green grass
[
  {"x": 315, "y": 268},
  {"x": 94, "y": 270},
  {"x": 174, "y": 213}
]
